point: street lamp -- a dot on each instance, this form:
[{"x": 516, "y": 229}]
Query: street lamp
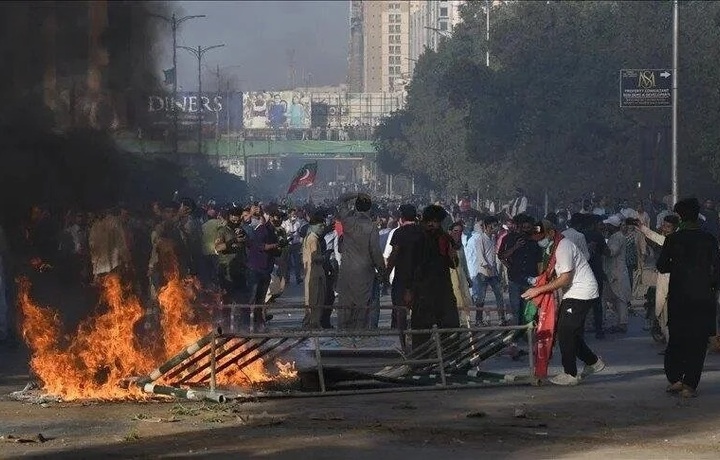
[
  {"x": 198, "y": 53},
  {"x": 217, "y": 114},
  {"x": 174, "y": 24}
]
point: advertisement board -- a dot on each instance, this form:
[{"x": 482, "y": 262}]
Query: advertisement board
[
  {"x": 220, "y": 110},
  {"x": 276, "y": 110},
  {"x": 646, "y": 88}
]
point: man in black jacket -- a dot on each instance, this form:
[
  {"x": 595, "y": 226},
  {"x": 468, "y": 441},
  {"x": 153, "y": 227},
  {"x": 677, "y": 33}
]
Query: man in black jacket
[{"x": 692, "y": 259}]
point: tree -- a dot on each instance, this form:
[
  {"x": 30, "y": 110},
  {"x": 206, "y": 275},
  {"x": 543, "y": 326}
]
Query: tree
[{"x": 546, "y": 115}]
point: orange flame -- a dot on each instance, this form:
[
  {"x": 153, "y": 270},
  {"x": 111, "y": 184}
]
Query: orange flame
[
  {"x": 105, "y": 349},
  {"x": 92, "y": 363}
]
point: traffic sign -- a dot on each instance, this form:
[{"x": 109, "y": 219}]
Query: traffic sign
[{"x": 646, "y": 88}]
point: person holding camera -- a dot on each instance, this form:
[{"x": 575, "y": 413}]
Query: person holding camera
[
  {"x": 522, "y": 256},
  {"x": 230, "y": 247}
]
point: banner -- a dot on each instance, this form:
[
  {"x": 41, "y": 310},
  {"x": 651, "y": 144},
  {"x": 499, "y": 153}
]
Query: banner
[{"x": 276, "y": 110}]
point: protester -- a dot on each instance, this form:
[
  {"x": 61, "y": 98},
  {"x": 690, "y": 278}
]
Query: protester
[
  {"x": 483, "y": 266},
  {"x": 315, "y": 275},
  {"x": 579, "y": 294},
  {"x": 616, "y": 272},
  {"x": 522, "y": 256},
  {"x": 692, "y": 259},
  {"x": 669, "y": 226},
  {"x": 361, "y": 261}
]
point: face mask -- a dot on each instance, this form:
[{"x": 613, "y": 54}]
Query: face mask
[{"x": 544, "y": 243}]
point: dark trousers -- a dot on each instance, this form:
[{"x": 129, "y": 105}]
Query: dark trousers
[
  {"x": 570, "y": 331},
  {"x": 258, "y": 283},
  {"x": 685, "y": 357},
  {"x": 598, "y": 306}
]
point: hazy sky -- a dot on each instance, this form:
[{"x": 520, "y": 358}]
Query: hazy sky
[{"x": 258, "y": 36}]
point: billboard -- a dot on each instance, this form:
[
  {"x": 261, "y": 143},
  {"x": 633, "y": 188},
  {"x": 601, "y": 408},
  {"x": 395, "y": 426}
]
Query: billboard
[
  {"x": 335, "y": 110},
  {"x": 276, "y": 110},
  {"x": 222, "y": 111}
]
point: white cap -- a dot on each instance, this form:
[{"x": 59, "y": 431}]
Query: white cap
[{"x": 614, "y": 220}]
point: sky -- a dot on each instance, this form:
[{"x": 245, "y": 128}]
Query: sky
[{"x": 259, "y": 37}]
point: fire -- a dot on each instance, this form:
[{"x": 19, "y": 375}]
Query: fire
[
  {"x": 105, "y": 350},
  {"x": 92, "y": 362}
]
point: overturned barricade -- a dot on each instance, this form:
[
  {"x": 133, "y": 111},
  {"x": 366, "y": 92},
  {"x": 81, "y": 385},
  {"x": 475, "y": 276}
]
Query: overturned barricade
[{"x": 440, "y": 359}]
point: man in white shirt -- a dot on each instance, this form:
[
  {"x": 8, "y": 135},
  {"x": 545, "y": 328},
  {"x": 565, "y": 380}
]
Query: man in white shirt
[
  {"x": 580, "y": 293},
  {"x": 575, "y": 236},
  {"x": 292, "y": 228},
  {"x": 483, "y": 267}
]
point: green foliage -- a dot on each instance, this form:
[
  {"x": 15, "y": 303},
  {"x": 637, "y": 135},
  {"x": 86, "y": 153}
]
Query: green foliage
[{"x": 546, "y": 115}]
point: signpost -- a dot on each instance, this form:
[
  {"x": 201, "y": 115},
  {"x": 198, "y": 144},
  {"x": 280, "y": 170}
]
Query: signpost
[{"x": 646, "y": 88}]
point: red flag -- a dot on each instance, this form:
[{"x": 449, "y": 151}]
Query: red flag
[{"x": 304, "y": 177}]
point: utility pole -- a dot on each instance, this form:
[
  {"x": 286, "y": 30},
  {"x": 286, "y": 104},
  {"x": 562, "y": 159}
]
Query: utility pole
[
  {"x": 198, "y": 53},
  {"x": 174, "y": 24},
  {"x": 674, "y": 104},
  {"x": 487, "y": 33}
]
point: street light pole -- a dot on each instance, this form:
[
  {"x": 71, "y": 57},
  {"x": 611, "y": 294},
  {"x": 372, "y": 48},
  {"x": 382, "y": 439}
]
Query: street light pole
[
  {"x": 487, "y": 33},
  {"x": 674, "y": 104},
  {"x": 174, "y": 24},
  {"x": 198, "y": 53}
]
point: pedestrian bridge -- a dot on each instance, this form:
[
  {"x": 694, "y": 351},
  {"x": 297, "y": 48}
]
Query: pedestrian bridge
[{"x": 243, "y": 148}]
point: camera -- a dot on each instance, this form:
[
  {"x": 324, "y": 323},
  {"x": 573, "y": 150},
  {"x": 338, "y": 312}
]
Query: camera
[{"x": 632, "y": 221}]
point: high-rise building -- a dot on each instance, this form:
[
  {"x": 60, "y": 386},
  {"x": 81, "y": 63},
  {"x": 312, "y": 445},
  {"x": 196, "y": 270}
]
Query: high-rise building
[
  {"x": 430, "y": 20},
  {"x": 355, "y": 58},
  {"x": 388, "y": 36},
  {"x": 379, "y": 45}
]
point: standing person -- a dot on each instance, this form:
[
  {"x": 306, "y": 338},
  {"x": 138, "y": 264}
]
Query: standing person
[
  {"x": 692, "y": 259},
  {"x": 361, "y": 261},
  {"x": 573, "y": 234},
  {"x": 313, "y": 256},
  {"x": 580, "y": 292},
  {"x": 292, "y": 227},
  {"x": 192, "y": 233},
  {"x": 519, "y": 204},
  {"x": 662, "y": 282},
  {"x": 232, "y": 270},
  {"x": 210, "y": 256},
  {"x": 522, "y": 256},
  {"x": 459, "y": 275},
  {"x": 431, "y": 297},
  {"x": 261, "y": 244},
  {"x": 401, "y": 255},
  {"x": 109, "y": 252},
  {"x": 616, "y": 272},
  {"x": 597, "y": 247},
  {"x": 485, "y": 271}
]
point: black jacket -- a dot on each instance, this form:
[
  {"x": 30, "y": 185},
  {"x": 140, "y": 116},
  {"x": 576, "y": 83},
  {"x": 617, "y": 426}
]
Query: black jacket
[{"x": 692, "y": 259}]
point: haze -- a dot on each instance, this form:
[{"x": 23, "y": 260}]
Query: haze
[{"x": 259, "y": 37}]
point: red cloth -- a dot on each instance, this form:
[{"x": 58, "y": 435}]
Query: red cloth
[
  {"x": 338, "y": 228},
  {"x": 547, "y": 317}
]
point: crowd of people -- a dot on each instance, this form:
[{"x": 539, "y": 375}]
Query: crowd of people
[{"x": 436, "y": 262}]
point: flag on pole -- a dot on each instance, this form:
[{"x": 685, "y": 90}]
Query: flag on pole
[
  {"x": 169, "y": 76},
  {"x": 304, "y": 177}
]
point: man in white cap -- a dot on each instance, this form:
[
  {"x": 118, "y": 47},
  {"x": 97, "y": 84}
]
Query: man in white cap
[{"x": 616, "y": 271}]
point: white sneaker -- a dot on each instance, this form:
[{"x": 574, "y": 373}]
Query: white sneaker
[
  {"x": 565, "y": 380},
  {"x": 588, "y": 370}
]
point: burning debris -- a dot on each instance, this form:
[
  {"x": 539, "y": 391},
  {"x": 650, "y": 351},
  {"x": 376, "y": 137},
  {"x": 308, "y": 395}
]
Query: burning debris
[{"x": 105, "y": 350}]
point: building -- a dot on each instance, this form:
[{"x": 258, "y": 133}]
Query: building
[
  {"x": 430, "y": 20},
  {"x": 387, "y": 38},
  {"x": 379, "y": 45}
]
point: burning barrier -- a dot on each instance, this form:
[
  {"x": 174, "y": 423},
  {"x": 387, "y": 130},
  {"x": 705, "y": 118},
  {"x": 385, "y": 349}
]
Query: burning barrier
[{"x": 105, "y": 349}]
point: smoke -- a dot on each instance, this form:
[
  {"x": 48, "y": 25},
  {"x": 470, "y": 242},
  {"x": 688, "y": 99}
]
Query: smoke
[{"x": 71, "y": 72}]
